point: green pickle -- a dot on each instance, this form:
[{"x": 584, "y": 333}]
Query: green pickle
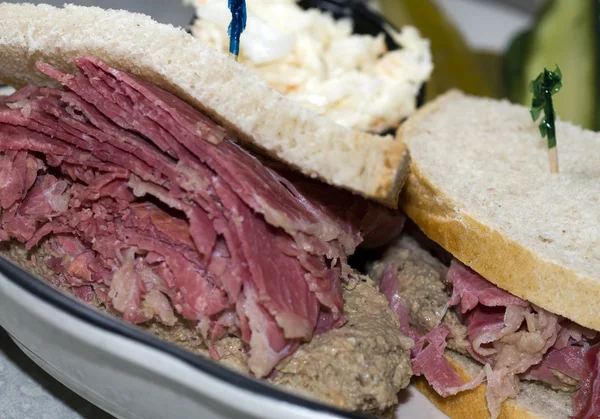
[
  {"x": 455, "y": 65},
  {"x": 566, "y": 33}
]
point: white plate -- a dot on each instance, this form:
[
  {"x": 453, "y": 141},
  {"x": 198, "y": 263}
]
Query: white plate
[{"x": 132, "y": 374}]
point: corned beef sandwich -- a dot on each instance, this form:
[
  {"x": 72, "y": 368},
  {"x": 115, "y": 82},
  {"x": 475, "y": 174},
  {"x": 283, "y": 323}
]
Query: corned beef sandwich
[
  {"x": 514, "y": 304},
  {"x": 124, "y": 181}
]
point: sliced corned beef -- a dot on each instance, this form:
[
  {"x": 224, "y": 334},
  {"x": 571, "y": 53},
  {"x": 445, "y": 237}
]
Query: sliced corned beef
[
  {"x": 586, "y": 402},
  {"x": 428, "y": 360},
  {"x": 518, "y": 340},
  {"x": 470, "y": 289},
  {"x": 568, "y": 361},
  {"x": 143, "y": 203},
  {"x": 505, "y": 332},
  {"x": 18, "y": 172},
  {"x": 513, "y": 338},
  {"x": 369, "y": 224}
]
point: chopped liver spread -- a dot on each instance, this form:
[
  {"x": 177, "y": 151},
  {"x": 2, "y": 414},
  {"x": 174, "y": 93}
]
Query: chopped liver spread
[
  {"x": 360, "y": 366},
  {"x": 422, "y": 287}
]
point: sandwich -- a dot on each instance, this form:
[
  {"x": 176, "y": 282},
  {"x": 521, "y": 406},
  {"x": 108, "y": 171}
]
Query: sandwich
[
  {"x": 160, "y": 181},
  {"x": 499, "y": 284}
]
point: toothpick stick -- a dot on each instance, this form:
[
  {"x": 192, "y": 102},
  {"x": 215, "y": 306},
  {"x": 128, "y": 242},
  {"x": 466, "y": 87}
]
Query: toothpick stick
[
  {"x": 553, "y": 158},
  {"x": 237, "y": 25}
]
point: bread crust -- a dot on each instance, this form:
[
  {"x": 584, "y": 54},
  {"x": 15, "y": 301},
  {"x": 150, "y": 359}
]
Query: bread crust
[
  {"x": 370, "y": 165},
  {"x": 471, "y": 404},
  {"x": 488, "y": 251}
]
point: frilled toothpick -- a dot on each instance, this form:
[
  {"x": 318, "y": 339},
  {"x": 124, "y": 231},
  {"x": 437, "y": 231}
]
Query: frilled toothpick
[
  {"x": 237, "y": 25},
  {"x": 547, "y": 84}
]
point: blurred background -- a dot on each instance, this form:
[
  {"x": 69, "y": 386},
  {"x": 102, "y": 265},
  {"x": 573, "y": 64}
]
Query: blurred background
[
  {"x": 496, "y": 48},
  {"x": 483, "y": 47}
]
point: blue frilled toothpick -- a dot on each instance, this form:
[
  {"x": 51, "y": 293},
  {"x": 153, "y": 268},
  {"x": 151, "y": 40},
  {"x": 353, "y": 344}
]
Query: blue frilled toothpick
[{"x": 237, "y": 25}]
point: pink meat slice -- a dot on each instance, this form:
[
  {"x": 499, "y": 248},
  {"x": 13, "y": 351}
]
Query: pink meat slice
[
  {"x": 428, "y": 360},
  {"x": 390, "y": 288},
  {"x": 277, "y": 278},
  {"x": 586, "y": 402},
  {"x": 18, "y": 172},
  {"x": 369, "y": 224},
  {"x": 486, "y": 326},
  {"x": 568, "y": 361},
  {"x": 470, "y": 289}
]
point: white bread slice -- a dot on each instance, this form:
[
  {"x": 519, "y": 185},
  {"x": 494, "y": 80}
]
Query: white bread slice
[
  {"x": 535, "y": 400},
  {"x": 370, "y": 165},
  {"x": 480, "y": 186}
]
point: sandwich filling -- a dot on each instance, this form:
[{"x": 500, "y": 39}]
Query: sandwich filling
[
  {"x": 514, "y": 340},
  {"x": 145, "y": 205}
]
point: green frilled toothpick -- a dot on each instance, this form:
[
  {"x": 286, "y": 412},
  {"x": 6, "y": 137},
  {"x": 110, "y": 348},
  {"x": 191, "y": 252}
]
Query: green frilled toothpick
[{"x": 547, "y": 84}]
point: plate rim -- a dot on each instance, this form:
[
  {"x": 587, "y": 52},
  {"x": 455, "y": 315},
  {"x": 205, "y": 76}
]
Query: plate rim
[{"x": 61, "y": 301}]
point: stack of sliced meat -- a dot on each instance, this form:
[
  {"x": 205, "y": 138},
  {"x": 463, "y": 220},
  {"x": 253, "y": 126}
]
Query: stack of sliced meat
[
  {"x": 521, "y": 341},
  {"x": 514, "y": 339},
  {"x": 504, "y": 331},
  {"x": 143, "y": 204}
]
